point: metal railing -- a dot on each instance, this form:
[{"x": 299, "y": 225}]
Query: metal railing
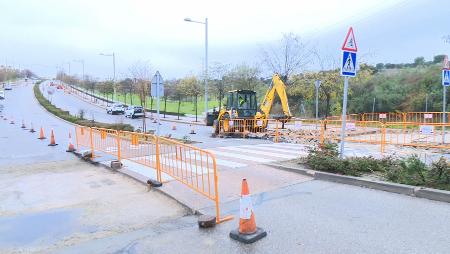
[{"x": 189, "y": 165}]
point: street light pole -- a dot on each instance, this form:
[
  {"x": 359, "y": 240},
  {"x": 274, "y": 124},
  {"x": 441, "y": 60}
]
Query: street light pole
[
  {"x": 206, "y": 60},
  {"x": 114, "y": 72}
]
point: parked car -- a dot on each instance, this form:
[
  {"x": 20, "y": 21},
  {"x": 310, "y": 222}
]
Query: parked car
[
  {"x": 8, "y": 86},
  {"x": 116, "y": 108},
  {"x": 134, "y": 111},
  {"x": 2, "y": 95}
]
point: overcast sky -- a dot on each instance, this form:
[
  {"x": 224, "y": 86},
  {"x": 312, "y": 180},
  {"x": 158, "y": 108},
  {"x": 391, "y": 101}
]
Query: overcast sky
[{"x": 43, "y": 34}]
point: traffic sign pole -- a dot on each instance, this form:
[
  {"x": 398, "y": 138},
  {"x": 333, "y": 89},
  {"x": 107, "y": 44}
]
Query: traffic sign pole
[
  {"x": 344, "y": 118},
  {"x": 158, "y": 82},
  {"x": 444, "y": 118}
]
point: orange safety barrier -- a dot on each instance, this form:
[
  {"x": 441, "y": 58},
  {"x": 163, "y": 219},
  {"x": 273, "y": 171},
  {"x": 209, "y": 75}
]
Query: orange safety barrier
[
  {"x": 429, "y": 135},
  {"x": 383, "y": 117},
  {"x": 426, "y": 117},
  {"x": 189, "y": 165}
]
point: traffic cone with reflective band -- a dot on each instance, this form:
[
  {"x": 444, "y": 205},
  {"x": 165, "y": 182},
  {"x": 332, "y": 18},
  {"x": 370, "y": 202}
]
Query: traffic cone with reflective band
[
  {"x": 192, "y": 129},
  {"x": 174, "y": 127},
  {"x": 23, "y": 125},
  {"x": 52, "y": 139},
  {"x": 247, "y": 232},
  {"x": 32, "y": 128},
  {"x": 71, "y": 148},
  {"x": 12, "y": 120},
  {"x": 41, "y": 134}
]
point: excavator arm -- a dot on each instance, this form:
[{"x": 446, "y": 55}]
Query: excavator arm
[{"x": 279, "y": 88}]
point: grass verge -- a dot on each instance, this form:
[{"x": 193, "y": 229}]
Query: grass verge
[{"x": 75, "y": 119}]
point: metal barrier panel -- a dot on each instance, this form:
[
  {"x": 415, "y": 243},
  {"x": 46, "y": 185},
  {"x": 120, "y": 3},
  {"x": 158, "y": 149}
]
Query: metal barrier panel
[
  {"x": 139, "y": 147},
  {"x": 106, "y": 141},
  {"x": 425, "y": 117},
  {"x": 383, "y": 117},
  {"x": 430, "y": 135},
  {"x": 191, "y": 166},
  {"x": 295, "y": 130},
  {"x": 371, "y": 132},
  {"x": 82, "y": 137}
]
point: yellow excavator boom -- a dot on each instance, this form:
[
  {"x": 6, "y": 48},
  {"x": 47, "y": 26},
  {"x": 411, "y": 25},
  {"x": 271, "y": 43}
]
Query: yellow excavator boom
[{"x": 278, "y": 87}]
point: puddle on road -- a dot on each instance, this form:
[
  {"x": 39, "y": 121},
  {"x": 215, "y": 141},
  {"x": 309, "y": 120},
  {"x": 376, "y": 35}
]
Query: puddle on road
[{"x": 41, "y": 228}]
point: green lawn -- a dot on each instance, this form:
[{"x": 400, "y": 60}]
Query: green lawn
[{"x": 187, "y": 107}]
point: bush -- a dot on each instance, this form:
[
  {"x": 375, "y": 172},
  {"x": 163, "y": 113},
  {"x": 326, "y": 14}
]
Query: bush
[
  {"x": 410, "y": 170},
  {"x": 74, "y": 119}
]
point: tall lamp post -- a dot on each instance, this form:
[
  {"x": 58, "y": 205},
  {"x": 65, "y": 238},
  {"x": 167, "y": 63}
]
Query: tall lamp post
[
  {"x": 82, "y": 78},
  {"x": 114, "y": 72},
  {"x": 206, "y": 59}
]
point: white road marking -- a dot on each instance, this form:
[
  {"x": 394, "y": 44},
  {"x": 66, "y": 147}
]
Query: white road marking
[
  {"x": 240, "y": 156},
  {"x": 271, "y": 149},
  {"x": 252, "y": 151}
]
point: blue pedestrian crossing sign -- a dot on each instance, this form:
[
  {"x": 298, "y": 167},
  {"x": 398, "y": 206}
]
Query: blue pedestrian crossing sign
[
  {"x": 446, "y": 77},
  {"x": 348, "y": 67}
]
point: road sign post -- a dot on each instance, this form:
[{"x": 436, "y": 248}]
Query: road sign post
[
  {"x": 445, "y": 83},
  {"x": 348, "y": 69},
  {"x": 157, "y": 90}
]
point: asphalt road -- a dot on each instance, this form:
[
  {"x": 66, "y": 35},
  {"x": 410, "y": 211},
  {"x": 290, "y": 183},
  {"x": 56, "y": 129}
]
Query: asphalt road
[{"x": 304, "y": 216}]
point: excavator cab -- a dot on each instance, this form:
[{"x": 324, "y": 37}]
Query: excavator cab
[{"x": 242, "y": 103}]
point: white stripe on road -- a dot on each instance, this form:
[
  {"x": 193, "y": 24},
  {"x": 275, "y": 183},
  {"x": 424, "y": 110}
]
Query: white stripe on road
[
  {"x": 250, "y": 150},
  {"x": 240, "y": 156},
  {"x": 271, "y": 149}
]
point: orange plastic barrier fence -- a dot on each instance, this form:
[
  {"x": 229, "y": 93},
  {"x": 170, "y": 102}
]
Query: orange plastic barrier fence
[{"x": 189, "y": 165}]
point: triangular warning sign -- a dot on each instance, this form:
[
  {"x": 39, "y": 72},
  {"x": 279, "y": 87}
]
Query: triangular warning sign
[
  {"x": 350, "y": 42},
  {"x": 445, "y": 64},
  {"x": 349, "y": 65}
]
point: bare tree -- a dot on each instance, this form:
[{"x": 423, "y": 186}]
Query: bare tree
[
  {"x": 141, "y": 72},
  {"x": 290, "y": 56},
  {"x": 218, "y": 84}
]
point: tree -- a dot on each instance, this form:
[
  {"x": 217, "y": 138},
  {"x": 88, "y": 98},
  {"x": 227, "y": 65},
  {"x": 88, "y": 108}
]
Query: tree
[
  {"x": 125, "y": 87},
  {"x": 243, "y": 77},
  {"x": 419, "y": 61},
  {"x": 291, "y": 56},
  {"x": 141, "y": 73},
  {"x": 438, "y": 59},
  {"x": 218, "y": 84},
  {"x": 191, "y": 87}
]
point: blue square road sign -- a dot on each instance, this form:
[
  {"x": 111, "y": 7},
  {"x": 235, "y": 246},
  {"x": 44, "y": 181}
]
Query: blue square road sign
[{"x": 348, "y": 67}]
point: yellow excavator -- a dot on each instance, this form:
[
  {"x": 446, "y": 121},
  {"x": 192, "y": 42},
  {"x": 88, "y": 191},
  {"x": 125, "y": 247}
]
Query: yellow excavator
[{"x": 241, "y": 104}]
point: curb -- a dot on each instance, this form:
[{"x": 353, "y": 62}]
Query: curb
[{"x": 414, "y": 191}]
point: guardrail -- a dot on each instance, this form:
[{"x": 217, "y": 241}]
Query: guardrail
[{"x": 189, "y": 165}]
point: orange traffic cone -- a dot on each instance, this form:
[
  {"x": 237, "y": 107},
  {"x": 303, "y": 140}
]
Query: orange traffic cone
[
  {"x": 71, "y": 148},
  {"x": 247, "y": 231},
  {"x": 174, "y": 127},
  {"x": 52, "y": 139},
  {"x": 12, "y": 120},
  {"x": 23, "y": 125},
  {"x": 41, "y": 134},
  {"x": 32, "y": 128}
]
